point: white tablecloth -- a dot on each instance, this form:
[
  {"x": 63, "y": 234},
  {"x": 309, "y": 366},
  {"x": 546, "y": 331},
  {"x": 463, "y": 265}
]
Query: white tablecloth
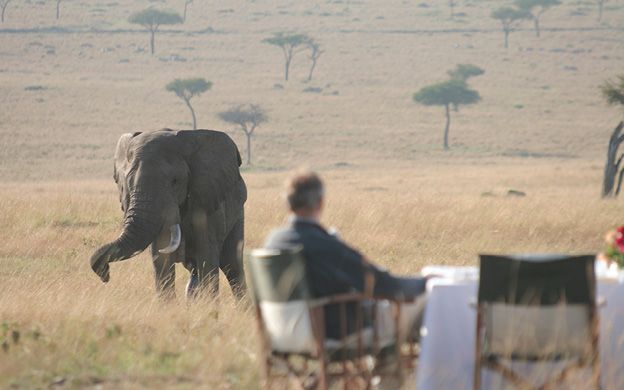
[{"x": 447, "y": 347}]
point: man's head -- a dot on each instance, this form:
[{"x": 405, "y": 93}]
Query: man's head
[{"x": 304, "y": 193}]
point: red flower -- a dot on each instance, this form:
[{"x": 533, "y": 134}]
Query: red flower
[{"x": 619, "y": 238}]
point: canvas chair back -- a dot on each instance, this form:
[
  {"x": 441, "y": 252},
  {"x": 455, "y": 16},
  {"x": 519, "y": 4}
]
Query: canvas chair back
[
  {"x": 537, "y": 307},
  {"x": 281, "y": 290}
]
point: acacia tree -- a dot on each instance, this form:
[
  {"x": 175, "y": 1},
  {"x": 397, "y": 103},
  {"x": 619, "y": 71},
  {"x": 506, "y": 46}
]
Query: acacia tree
[
  {"x": 3, "y": 4},
  {"x": 151, "y": 19},
  {"x": 291, "y": 44},
  {"x": 452, "y": 4},
  {"x": 186, "y": 3},
  {"x": 314, "y": 56},
  {"x": 465, "y": 71},
  {"x": 510, "y": 19},
  {"x": 187, "y": 88},
  {"x": 536, "y": 8},
  {"x": 613, "y": 93},
  {"x": 248, "y": 118},
  {"x": 600, "y": 7},
  {"x": 448, "y": 93}
]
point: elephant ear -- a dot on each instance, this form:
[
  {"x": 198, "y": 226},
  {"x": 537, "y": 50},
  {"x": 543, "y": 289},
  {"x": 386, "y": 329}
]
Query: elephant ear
[
  {"x": 213, "y": 160},
  {"x": 121, "y": 156}
]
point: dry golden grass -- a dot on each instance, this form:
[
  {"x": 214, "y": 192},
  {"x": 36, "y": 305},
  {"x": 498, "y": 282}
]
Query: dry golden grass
[
  {"x": 392, "y": 191},
  {"x": 80, "y": 333}
]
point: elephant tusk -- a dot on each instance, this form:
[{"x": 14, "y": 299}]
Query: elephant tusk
[{"x": 176, "y": 235}]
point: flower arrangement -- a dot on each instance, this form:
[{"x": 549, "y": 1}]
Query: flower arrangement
[{"x": 614, "y": 248}]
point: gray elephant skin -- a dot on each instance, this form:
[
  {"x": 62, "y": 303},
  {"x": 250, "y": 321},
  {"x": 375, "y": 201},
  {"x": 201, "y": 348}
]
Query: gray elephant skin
[{"x": 182, "y": 193}]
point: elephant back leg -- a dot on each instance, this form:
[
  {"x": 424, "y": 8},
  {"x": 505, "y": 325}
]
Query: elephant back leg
[{"x": 230, "y": 261}]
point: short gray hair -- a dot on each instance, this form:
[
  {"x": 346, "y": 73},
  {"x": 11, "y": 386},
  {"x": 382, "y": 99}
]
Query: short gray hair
[{"x": 304, "y": 190}]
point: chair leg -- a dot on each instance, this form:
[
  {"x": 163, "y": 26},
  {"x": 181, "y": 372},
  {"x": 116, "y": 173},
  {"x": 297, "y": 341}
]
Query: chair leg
[
  {"x": 267, "y": 373},
  {"x": 477, "y": 359},
  {"x": 596, "y": 372},
  {"x": 596, "y": 353},
  {"x": 323, "y": 377},
  {"x": 477, "y": 376}
]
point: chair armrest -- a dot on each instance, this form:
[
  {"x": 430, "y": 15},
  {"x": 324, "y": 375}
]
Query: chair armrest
[
  {"x": 355, "y": 297},
  {"x": 395, "y": 299},
  {"x": 338, "y": 298}
]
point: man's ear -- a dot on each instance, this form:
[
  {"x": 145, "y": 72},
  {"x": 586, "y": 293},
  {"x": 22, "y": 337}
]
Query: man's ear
[
  {"x": 369, "y": 281},
  {"x": 321, "y": 204}
]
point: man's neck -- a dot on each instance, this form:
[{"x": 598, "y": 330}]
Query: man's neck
[{"x": 311, "y": 215}]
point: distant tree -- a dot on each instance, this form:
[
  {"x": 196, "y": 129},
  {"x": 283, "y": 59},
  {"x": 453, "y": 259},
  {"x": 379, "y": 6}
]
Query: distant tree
[
  {"x": 186, "y": 3},
  {"x": 465, "y": 71},
  {"x": 613, "y": 93},
  {"x": 187, "y": 88},
  {"x": 314, "y": 56},
  {"x": 248, "y": 118},
  {"x": 58, "y": 5},
  {"x": 3, "y": 4},
  {"x": 151, "y": 19},
  {"x": 447, "y": 93},
  {"x": 452, "y": 4},
  {"x": 291, "y": 44},
  {"x": 600, "y": 7},
  {"x": 510, "y": 19},
  {"x": 536, "y": 8}
]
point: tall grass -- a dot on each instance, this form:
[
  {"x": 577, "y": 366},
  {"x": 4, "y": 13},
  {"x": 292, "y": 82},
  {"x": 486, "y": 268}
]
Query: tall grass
[{"x": 60, "y": 324}]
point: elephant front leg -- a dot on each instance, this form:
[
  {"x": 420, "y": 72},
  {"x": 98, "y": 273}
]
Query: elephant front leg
[
  {"x": 205, "y": 275},
  {"x": 164, "y": 269}
]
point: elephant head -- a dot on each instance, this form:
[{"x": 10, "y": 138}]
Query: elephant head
[{"x": 165, "y": 179}]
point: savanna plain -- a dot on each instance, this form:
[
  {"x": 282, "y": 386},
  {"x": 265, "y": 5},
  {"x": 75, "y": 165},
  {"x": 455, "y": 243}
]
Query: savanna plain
[{"x": 71, "y": 86}]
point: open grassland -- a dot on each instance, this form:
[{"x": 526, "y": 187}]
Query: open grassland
[
  {"x": 70, "y": 87},
  {"x": 75, "y": 332}
]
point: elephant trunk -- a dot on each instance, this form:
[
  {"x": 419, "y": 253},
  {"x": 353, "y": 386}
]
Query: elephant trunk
[{"x": 140, "y": 228}]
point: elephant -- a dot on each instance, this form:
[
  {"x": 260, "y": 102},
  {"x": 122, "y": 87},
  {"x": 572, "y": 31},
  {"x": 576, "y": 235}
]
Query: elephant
[{"x": 182, "y": 193}]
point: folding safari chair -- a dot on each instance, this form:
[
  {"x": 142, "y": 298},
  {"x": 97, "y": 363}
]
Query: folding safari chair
[
  {"x": 537, "y": 309},
  {"x": 292, "y": 325}
]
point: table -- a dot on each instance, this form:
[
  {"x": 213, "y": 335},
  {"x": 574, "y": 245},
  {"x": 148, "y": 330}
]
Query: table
[{"x": 448, "y": 337}]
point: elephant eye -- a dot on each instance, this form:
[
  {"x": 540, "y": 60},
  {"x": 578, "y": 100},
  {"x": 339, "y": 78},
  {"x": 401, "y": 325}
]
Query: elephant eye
[{"x": 174, "y": 182}]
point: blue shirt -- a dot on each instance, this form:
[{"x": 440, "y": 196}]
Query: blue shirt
[{"x": 334, "y": 267}]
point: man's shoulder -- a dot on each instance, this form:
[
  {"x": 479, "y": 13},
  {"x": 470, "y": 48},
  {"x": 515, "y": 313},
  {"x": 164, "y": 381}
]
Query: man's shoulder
[{"x": 296, "y": 231}]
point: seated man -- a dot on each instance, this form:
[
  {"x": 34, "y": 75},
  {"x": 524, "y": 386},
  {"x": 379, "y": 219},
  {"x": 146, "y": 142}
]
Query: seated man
[{"x": 333, "y": 266}]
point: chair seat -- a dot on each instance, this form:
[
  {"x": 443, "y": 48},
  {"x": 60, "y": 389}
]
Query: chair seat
[
  {"x": 289, "y": 329},
  {"x": 532, "y": 332}
]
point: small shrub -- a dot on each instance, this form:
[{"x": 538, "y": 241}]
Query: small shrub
[{"x": 516, "y": 193}]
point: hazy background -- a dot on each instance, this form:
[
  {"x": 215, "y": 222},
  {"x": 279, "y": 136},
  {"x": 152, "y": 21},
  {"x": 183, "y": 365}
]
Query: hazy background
[
  {"x": 540, "y": 96},
  {"x": 70, "y": 87}
]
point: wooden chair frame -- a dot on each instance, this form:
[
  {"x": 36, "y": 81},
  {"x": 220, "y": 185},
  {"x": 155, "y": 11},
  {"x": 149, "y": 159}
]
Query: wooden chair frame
[
  {"x": 351, "y": 361},
  {"x": 493, "y": 361}
]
